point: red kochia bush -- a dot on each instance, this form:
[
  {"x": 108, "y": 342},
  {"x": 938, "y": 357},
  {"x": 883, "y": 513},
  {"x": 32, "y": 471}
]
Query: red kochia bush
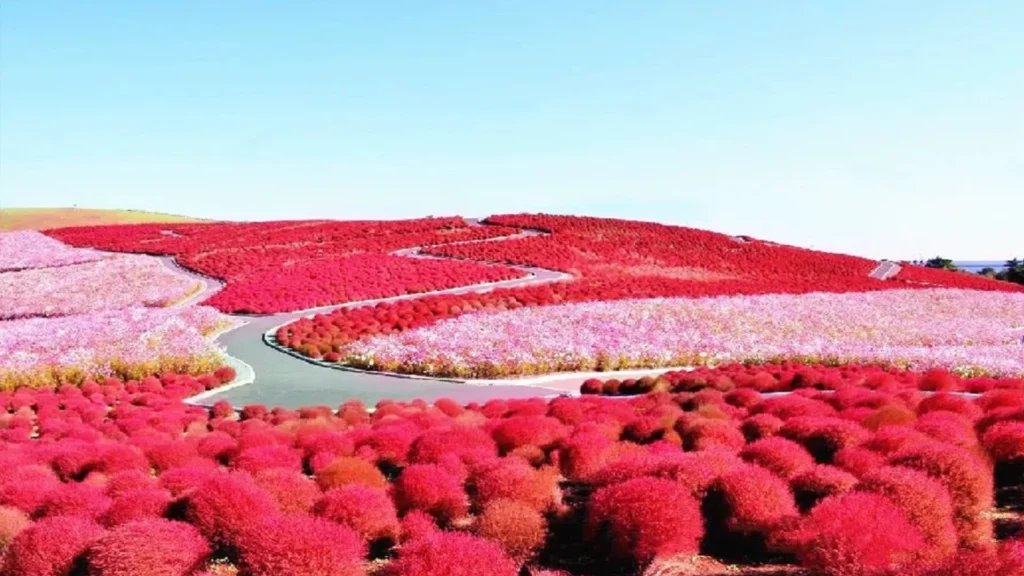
[
  {"x": 294, "y": 491},
  {"x": 226, "y": 505},
  {"x": 137, "y": 505},
  {"x": 644, "y": 518},
  {"x": 1005, "y": 441},
  {"x": 153, "y": 547},
  {"x": 51, "y": 546},
  {"x": 820, "y": 482},
  {"x": 350, "y": 470},
  {"x": 924, "y": 501},
  {"x": 968, "y": 479},
  {"x": 783, "y": 457},
  {"x": 367, "y": 511},
  {"x": 823, "y": 437},
  {"x": 540, "y": 431},
  {"x": 858, "y": 534},
  {"x": 514, "y": 479},
  {"x": 451, "y": 554},
  {"x": 750, "y": 499},
  {"x": 430, "y": 488},
  {"x": 517, "y": 527},
  {"x": 301, "y": 545}
]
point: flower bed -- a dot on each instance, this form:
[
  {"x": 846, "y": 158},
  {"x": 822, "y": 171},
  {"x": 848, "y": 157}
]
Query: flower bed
[
  {"x": 109, "y": 284},
  {"x": 350, "y": 279},
  {"x": 28, "y": 249},
  {"x": 792, "y": 376},
  {"x": 43, "y": 352},
  {"x": 282, "y": 266},
  {"x": 123, "y": 478},
  {"x": 963, "y": 330}
]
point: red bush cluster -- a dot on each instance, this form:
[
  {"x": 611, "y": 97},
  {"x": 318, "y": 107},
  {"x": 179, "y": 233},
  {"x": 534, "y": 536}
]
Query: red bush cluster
[
  {"x": 743, "y": 382},
  {"x": 119, "y": 478},
  {"x": 282, "y": 266},
  {"x": 911, "y": 275}
]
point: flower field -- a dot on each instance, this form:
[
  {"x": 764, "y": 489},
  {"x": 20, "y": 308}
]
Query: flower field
[
  {"x": 127, "y": 343},
  {"x": 970, "y": 331},
  {"x": 122, "y": 478},
  {"x": 69, "y": 314},
  {"x": 26, "y": 250},
  {"x": 109, "y": 284},
  {"x": 273, "y": 267}
]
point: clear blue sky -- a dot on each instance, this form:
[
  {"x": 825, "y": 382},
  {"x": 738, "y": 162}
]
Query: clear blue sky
[{"x": 887, "y": 129}]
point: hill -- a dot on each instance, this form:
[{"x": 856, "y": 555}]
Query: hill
[{"x": 47, "y": 218}]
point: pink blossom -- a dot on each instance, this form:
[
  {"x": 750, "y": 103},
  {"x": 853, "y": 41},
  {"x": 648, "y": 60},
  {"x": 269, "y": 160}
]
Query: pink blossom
[
  {"x": 971, "y": 331},
  {"x": 109, "y": 284},
  {"x": 29, "y": 249}
]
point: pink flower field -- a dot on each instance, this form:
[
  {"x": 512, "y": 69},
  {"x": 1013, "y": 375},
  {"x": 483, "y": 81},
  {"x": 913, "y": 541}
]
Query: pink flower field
[
  {"x": 968, "y": 331},
  {"x": 127, "y": 343},
  {"x": 30, "y": 249},
  {"x": 108, "y": 284},
  {"x": 69, "y": 314}
]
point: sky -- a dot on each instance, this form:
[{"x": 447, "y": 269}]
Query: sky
[{"x": 877, "y": 128}]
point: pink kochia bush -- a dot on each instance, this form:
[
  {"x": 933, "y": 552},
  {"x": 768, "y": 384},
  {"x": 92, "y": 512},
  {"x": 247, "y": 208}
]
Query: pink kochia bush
[{"x": 115, "y": 477}]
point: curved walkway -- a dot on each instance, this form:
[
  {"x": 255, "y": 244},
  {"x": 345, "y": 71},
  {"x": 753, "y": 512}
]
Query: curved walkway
[
  {"x": 275, "y": 375},
  {"x": 285, "y": 378}
]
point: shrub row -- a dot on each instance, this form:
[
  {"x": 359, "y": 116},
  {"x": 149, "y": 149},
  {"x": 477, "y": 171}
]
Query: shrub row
[
  {"x": 123, "y": 478},
  {"x": 788, "y": 377},
  {"x": 282, "y": 266}
]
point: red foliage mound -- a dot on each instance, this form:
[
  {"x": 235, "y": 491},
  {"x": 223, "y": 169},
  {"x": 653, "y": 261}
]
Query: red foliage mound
[
  {"x": 149, "y": 548},
  {"x": 226, "y": 505},
  {"x": 350, "y": 470},
  {"x": 367, "y": 511},
  {"x": 300, "y": 545},
  {"x": 12, "y": 522},
  {"x": 294, "y": 491},
  {"x": 452, "y": 554},
  {"x": 858, "y": 534},
  {"x": 517, "y": 527},
  {"x": 431, "y": 489},
  {"x": 924, "y": 501},
  {"x": 514, "y": 479},
  {"x": 644, "y": 518},
  {"x": 751, "y": 499},
  {"x": 51, "y": 547},
  {"x": 783, "y": 457}
]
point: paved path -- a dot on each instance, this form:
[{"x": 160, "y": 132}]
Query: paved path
[
  {"x": 290, "y": 380},
  {"x": 886, "y": 269}
]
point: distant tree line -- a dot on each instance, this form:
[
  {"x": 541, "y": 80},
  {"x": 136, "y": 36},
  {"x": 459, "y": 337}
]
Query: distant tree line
[{"x": 1014, "y": 271}]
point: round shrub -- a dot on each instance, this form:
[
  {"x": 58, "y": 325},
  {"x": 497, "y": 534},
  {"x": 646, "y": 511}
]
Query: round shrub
[
  {"x": 823, "y": 437},
  {"x": 819, "y": 482},
  {"x": 467, "y": 443},
  {"x": 300, "y": 545},
  {"x": 137, "y": 505},
  {"x": 784, "y": 458},
  {"x": 294, "y": 491},
  {"x": 452, "y": 554},
  {"x": 541, "y": 431},
  {"x": 226, "y": 505},
  {"x": 350, "y": 470},
  {"x": 153, "y": 547},
  {"x": 369, "y": 512},
  {"x": 514, "y": 479},
  {"x": 949, "y": 427},
  {"x": 433, "y": 490},
  {"x": 75, "y": 499},
  {"x": 924, "y": 501},
  {"x": 52, "y": 546},
  {"x": 518, "y": 528},
  {"x": 858, "y": 534},
  {"x": 750, "y": 499},
  {"x": 760, "y": 426},
  {"x": 644, "y": 518},
  {"x": 858, "y": 460},
  {"x": 1005, "y": 441},
  {"x": 968, "y": 480}
]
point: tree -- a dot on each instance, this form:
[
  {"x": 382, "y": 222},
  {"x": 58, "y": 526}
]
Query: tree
[
  {"x": 1014, "y": 271},
  {"x": 941, "y": 263},
  {"x": 988, "y": 272}
]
